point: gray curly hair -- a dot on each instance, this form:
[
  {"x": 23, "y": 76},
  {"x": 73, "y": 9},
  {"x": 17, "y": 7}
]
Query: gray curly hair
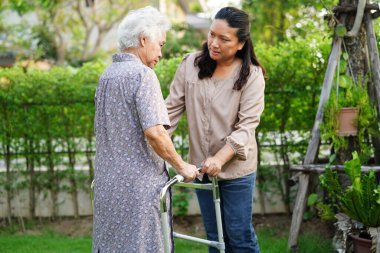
[{"x": 146, "y": 21}]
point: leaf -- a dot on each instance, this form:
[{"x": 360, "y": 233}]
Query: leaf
[
  {"x": 353, "y": 169},
  {"x": 342, "y": 66},
  {"x": 312, "y": 199},
  {"x": 332, "y": 158},
  {"x": 345, "y": 56},
  {"x": 325, "y": 212},
  {"x": 308, "y": 215},
  {"x": 340, "y": 30},
  {"x": 368, "y": 189},
  {"x": 345, "y": 81}
]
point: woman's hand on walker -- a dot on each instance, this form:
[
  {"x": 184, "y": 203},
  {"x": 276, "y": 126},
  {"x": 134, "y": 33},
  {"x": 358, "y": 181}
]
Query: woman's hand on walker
[
  {"x": 189, "y": 172},
  {"x": 212, "y": 166}
]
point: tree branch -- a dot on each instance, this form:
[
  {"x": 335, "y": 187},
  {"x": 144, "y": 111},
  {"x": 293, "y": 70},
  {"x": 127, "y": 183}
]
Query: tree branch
[
  {"x": 358, "y": 19},
  {"x": 345, "y": 8},
  {"x": 80, "y": 14}
]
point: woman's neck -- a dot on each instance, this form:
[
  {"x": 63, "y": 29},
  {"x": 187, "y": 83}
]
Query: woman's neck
[
  {"x": 134, "y": 51},
  {"x": 225, "y": 69},
  {"x": 227, "y": 63}
]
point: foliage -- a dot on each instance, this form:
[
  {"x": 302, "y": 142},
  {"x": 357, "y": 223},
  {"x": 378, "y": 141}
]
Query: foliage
[
  {"x": 360, "y": 200},
  {"x": 295, "y": 70},
  {"x": 78, "y": 37},
  {"x": 182, "y": 39},
  {"x": 47, "y": 116},
  {"x": 349, "y": 94},
  {"x": 181, "y": 199},
  {"x": 324, "y": 211},
  {"x": 165, "y": 71},
  {"x": 53, "y": 34},
  {"x": 58, "y": 105},
  {"x": 41, "y": 109},
  {"x": 275, "y": 21}
]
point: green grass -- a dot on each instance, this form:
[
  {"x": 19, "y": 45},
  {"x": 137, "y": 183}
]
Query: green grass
[
  {"x": 50, "y": 242},
  {"x": 45, "y": 243}
]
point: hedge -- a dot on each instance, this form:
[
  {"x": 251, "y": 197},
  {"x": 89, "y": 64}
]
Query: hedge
[{"x": 47, "y": 118}]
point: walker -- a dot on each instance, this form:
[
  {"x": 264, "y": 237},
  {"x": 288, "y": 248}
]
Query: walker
[{"x": 214, "y": 187}]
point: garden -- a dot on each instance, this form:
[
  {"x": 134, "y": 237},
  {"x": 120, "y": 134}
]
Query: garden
[{"x": 51, "y": 65}]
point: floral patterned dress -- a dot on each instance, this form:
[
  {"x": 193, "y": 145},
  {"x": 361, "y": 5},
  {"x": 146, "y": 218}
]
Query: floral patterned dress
[{"x": 128, "y": 173}]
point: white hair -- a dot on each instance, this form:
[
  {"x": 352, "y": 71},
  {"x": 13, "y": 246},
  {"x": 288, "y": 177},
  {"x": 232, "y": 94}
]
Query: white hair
[{"x": 146, "y": 21}]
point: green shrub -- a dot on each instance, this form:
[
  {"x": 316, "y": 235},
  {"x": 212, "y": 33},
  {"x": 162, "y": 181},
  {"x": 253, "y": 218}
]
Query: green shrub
[{"x": 360, "y": 200}]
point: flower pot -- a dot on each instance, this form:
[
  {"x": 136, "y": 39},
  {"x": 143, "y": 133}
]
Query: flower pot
[
  {"x": 361, "y": 245},
  {"x": 347, "y": 121}
]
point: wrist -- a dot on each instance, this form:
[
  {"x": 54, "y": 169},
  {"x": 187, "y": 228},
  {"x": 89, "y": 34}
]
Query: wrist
[
  {"x": 219, "y": 160},
  {"x": 180, "y": 165}
]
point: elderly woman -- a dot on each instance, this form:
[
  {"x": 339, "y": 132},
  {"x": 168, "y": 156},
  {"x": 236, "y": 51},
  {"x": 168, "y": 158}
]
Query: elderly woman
[{"x": 131, "y": 141}]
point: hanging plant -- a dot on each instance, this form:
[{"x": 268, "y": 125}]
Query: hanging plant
[{"x": 349, "y": 112}]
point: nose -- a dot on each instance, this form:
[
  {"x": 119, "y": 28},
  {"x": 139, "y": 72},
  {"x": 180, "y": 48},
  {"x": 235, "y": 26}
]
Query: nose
[
  {"x": 160, "y": 55},
  {"x": 214, "y": 43}
]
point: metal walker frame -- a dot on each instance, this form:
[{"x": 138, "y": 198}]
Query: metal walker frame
[{"x": 214, "y": 187}]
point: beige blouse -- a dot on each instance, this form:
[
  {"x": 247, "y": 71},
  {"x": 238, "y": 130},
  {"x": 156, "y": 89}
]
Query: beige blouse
[{"x": 217, "y": 115}]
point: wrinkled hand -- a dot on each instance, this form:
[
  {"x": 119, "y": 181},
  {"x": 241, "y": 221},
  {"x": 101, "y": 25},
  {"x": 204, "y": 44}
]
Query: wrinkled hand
[
  {"x": 212, "y": 166},
  {"x": 189, "y": 172}
]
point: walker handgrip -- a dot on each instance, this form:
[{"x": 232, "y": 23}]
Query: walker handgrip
[
  {"x": 176, "y": 179},
  {"x": 179, "y": 178}
]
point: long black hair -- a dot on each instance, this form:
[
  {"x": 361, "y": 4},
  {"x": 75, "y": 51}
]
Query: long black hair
[{"x": 236, "y": 19}]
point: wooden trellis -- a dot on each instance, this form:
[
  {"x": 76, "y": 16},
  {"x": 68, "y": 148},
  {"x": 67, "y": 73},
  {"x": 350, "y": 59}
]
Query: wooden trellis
[{"x": 303, "y": 171}]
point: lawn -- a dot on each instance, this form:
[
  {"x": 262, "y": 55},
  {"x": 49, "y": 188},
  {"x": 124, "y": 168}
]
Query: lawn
[{"x": 51, "y": 242}]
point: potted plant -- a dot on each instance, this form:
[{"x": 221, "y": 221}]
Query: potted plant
[
  {"x": 349, "y": 112},
  {"x": 357, "y": 205}
]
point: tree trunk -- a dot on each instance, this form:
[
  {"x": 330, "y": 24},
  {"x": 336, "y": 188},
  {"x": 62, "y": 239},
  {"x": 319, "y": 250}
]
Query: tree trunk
[
  {"x": 9, "y": 180},
  {"x": 259, "y": 177},
  {"x": 53, "y": 179},
  {"x": 30, "y": 170},
  {"x": 7, "y": 157},
  {"x": 374, "y": 82},
  {"x": 89, "y": 161},
  {"x": 73, "y": 183},
  {"x": 356, "y": 63},
  {"x": 61, "y": 51}
]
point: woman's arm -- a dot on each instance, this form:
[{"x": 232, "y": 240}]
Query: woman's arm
[
  {"x": 251, "y": 106},
  {"x": 153, "y": 117},
  {"x": 175, "y": 102},
  {"x": 161, "y": 143}
]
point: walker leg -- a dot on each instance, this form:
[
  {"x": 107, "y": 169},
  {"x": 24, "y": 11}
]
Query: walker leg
[
  {"x": 218, "y": 214},
  {"x": 166, "y": 231}
]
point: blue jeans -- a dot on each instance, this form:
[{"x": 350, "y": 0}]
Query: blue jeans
[{"x": 236, "y": 204}]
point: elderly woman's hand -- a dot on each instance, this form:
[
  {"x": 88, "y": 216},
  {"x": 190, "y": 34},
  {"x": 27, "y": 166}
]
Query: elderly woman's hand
[{"x": 189, "y": 172}]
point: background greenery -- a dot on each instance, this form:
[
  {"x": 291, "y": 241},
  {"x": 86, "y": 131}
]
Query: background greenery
[{"x": 46, "y": 117}]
